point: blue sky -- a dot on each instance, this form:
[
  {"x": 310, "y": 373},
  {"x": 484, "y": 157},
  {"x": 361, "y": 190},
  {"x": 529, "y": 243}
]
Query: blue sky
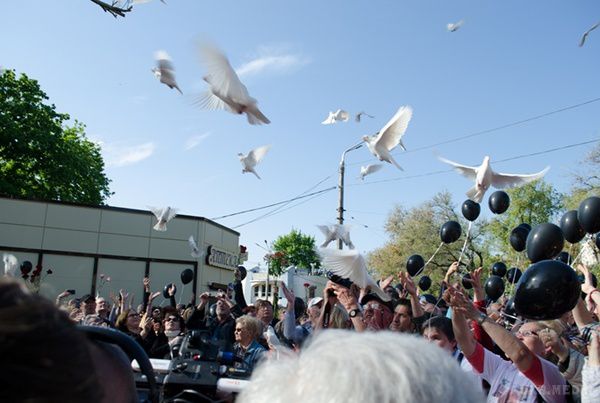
[{"x": 510, "y": 61}]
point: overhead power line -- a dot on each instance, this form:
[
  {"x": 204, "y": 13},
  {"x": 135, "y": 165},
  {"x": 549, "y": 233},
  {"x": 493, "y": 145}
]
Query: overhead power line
[
  {"x": 495, "y": 162},
  {"x": 274, "y": 204},
  {"x": 494, "y": 129}
]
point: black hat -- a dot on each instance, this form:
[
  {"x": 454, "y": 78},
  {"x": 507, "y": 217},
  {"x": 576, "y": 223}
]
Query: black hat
[
  {"x": 374, "y": 297},
  {"x": 87, "y": 298}
]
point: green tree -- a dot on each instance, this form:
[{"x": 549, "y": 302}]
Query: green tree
[
  {"x": 294, "y": 249},
  {"x": 40, "y": 156},
  {"x": 586, "y": 180},
  {"x": 534, "y": 203},
  {"x": 417, "y": 231}
]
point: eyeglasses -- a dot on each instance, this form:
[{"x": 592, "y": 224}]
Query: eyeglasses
[
  {"x": 133, "y": 315},
  {"x": 238, "y": 329},
  {"x": 527, "y": 333},
  {"x": 171, "y": 319}
]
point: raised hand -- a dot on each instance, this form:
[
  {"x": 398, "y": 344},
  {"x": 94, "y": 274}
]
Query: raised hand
[{"x": 289, "y": 294}]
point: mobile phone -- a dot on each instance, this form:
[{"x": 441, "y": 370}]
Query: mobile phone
[{"x": 72, "y": 292}]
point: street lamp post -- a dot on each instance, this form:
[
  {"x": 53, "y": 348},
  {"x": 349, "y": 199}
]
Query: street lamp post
[{"x": 340, "y": 217}]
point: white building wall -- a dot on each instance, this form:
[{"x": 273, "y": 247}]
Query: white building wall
[{"x": 81, "y": 243}]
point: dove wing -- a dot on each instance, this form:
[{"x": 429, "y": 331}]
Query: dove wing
[
  {"x": 222, "y": 76},
  {"x": 373, "y": 168},
  {"x": 156, "y": 211},
  {"x": 172, "y": 213},
  {"x": 192, "y": 243},
  {"x": 586, "y": 33},
  {"x": 257, "y": 154},
  {"x": 503, "y": 181},
  {"x": 391, "y": 134},
  {"x": 345, "y": 263},
  {"x": 465, "y": 170}
]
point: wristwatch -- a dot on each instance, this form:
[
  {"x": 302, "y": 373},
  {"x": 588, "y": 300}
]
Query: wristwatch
[
  {"x": 354, "y": 313},
  {"x": 481, "y": 318}
]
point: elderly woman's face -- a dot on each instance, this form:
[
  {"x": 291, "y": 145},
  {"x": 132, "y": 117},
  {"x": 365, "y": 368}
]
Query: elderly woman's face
[{"x": 241, "y": 333}]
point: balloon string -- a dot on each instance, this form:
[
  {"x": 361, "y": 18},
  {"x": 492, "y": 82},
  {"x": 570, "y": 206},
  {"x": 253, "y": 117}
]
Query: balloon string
[
  {"x": 512, "y": 280},
  {"x": 570, "y": 261},
  {"x": 430, "y": 259},
  {"x": 181, "y": 295},
  {"x": 579, "y": 254},
  {"x": 464, "y": 247}
]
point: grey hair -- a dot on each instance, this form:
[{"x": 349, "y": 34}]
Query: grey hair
[{"x": 378, "y": 367}]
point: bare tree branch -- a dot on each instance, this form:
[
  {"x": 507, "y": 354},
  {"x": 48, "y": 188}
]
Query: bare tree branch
[{"x": 113, "y": 8}]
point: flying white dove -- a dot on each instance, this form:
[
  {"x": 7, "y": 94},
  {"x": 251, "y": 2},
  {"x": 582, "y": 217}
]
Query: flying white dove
[
  {"x": 586, "y": 33},
  {"x": 350, "y": 264},
  {"x": 196, "y": 252},
  {"x": 359, "y": 115},
  {"x": 250, "y": 160},
  {"x": 338, "y": 116},
  {"x": 454, "y": 27},
  {"x": 10, "y": 264},
  {"x": 163, "y": 215},
  {"x": 390, "y": 136},
  {"x": 226, "y": 90},
  {"x": 369, "y": 169},
  {"x": 334, "y": 232},
  {"x": 485, "y": 177},
  {"x": 165, "y": 71}
]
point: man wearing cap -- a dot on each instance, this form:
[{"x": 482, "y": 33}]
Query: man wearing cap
[{"x": 377, "y": 313}]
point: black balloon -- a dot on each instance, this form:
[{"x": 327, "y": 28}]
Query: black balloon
[
  {"x": 510, "y": 311},
  {"x": 499, "y": 269},
  {"x": 518, "y": 238},
  {"x": 564, "y": 257},
  {"x": 526, "y": 226},
  {"x": 547, "y": 290},
  {"x": 513, "y": 275},
  {"x": 26, "y": 267},
  {"x": 545, "y": 241},
  {"x": 243, "y": 272},
  {"x": 571, "y": 228},
  {"x": 467, "y": 281},
  {"x": 450, "y": 232},
  {"x": 414, "y": 264},
  {"x": 166, "y": 290},
  {"x": 187, "y": 276},
  {"x": 598, "y": 240},
  {"x": 588, "y": 214},
  {"x": 471, "y": 210},
  {"x": 430, "y": 299},
  {"x": 499, "y": 202},
  {"x": 494, "y": 287},
  {"x": 424, "y": 283}
]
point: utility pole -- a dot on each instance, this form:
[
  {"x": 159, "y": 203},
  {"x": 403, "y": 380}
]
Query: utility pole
[{"x": 340, "y": 209}]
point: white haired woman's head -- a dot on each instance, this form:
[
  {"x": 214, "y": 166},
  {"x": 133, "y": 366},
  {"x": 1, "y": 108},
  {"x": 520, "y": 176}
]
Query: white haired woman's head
[{"x": 382, "y": 367}]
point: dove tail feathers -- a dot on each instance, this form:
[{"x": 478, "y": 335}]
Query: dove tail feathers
[
  {"x": 393, "y": 161},
  {"x": 162, "y": 227},
  {"x": 474, "y": 194},
  {"x": 256, "y": 117}
]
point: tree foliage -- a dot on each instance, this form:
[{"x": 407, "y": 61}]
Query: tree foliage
[
  {"x": 294, "y": 249},
  {"x": 534, "y": 203},
  {"x": 40, "y": 156},
  {"x": 586, "y": 180},
  {"x": 417, "y": 231}
]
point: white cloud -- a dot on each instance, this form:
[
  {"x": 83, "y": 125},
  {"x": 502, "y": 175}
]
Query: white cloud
[
  {"x": 194, "y": 141},
  {"x": 271, "y": 60},
  {"x": 118, "y": 156}
]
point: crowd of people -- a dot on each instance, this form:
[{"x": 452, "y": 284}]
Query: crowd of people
[{"x": 351, "y": 335}]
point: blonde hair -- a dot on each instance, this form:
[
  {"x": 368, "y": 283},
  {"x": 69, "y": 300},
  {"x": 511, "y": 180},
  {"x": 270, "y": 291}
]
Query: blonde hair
[
  {"x": 338, "y": 318},
  {"x": 253, "y": 325}
]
